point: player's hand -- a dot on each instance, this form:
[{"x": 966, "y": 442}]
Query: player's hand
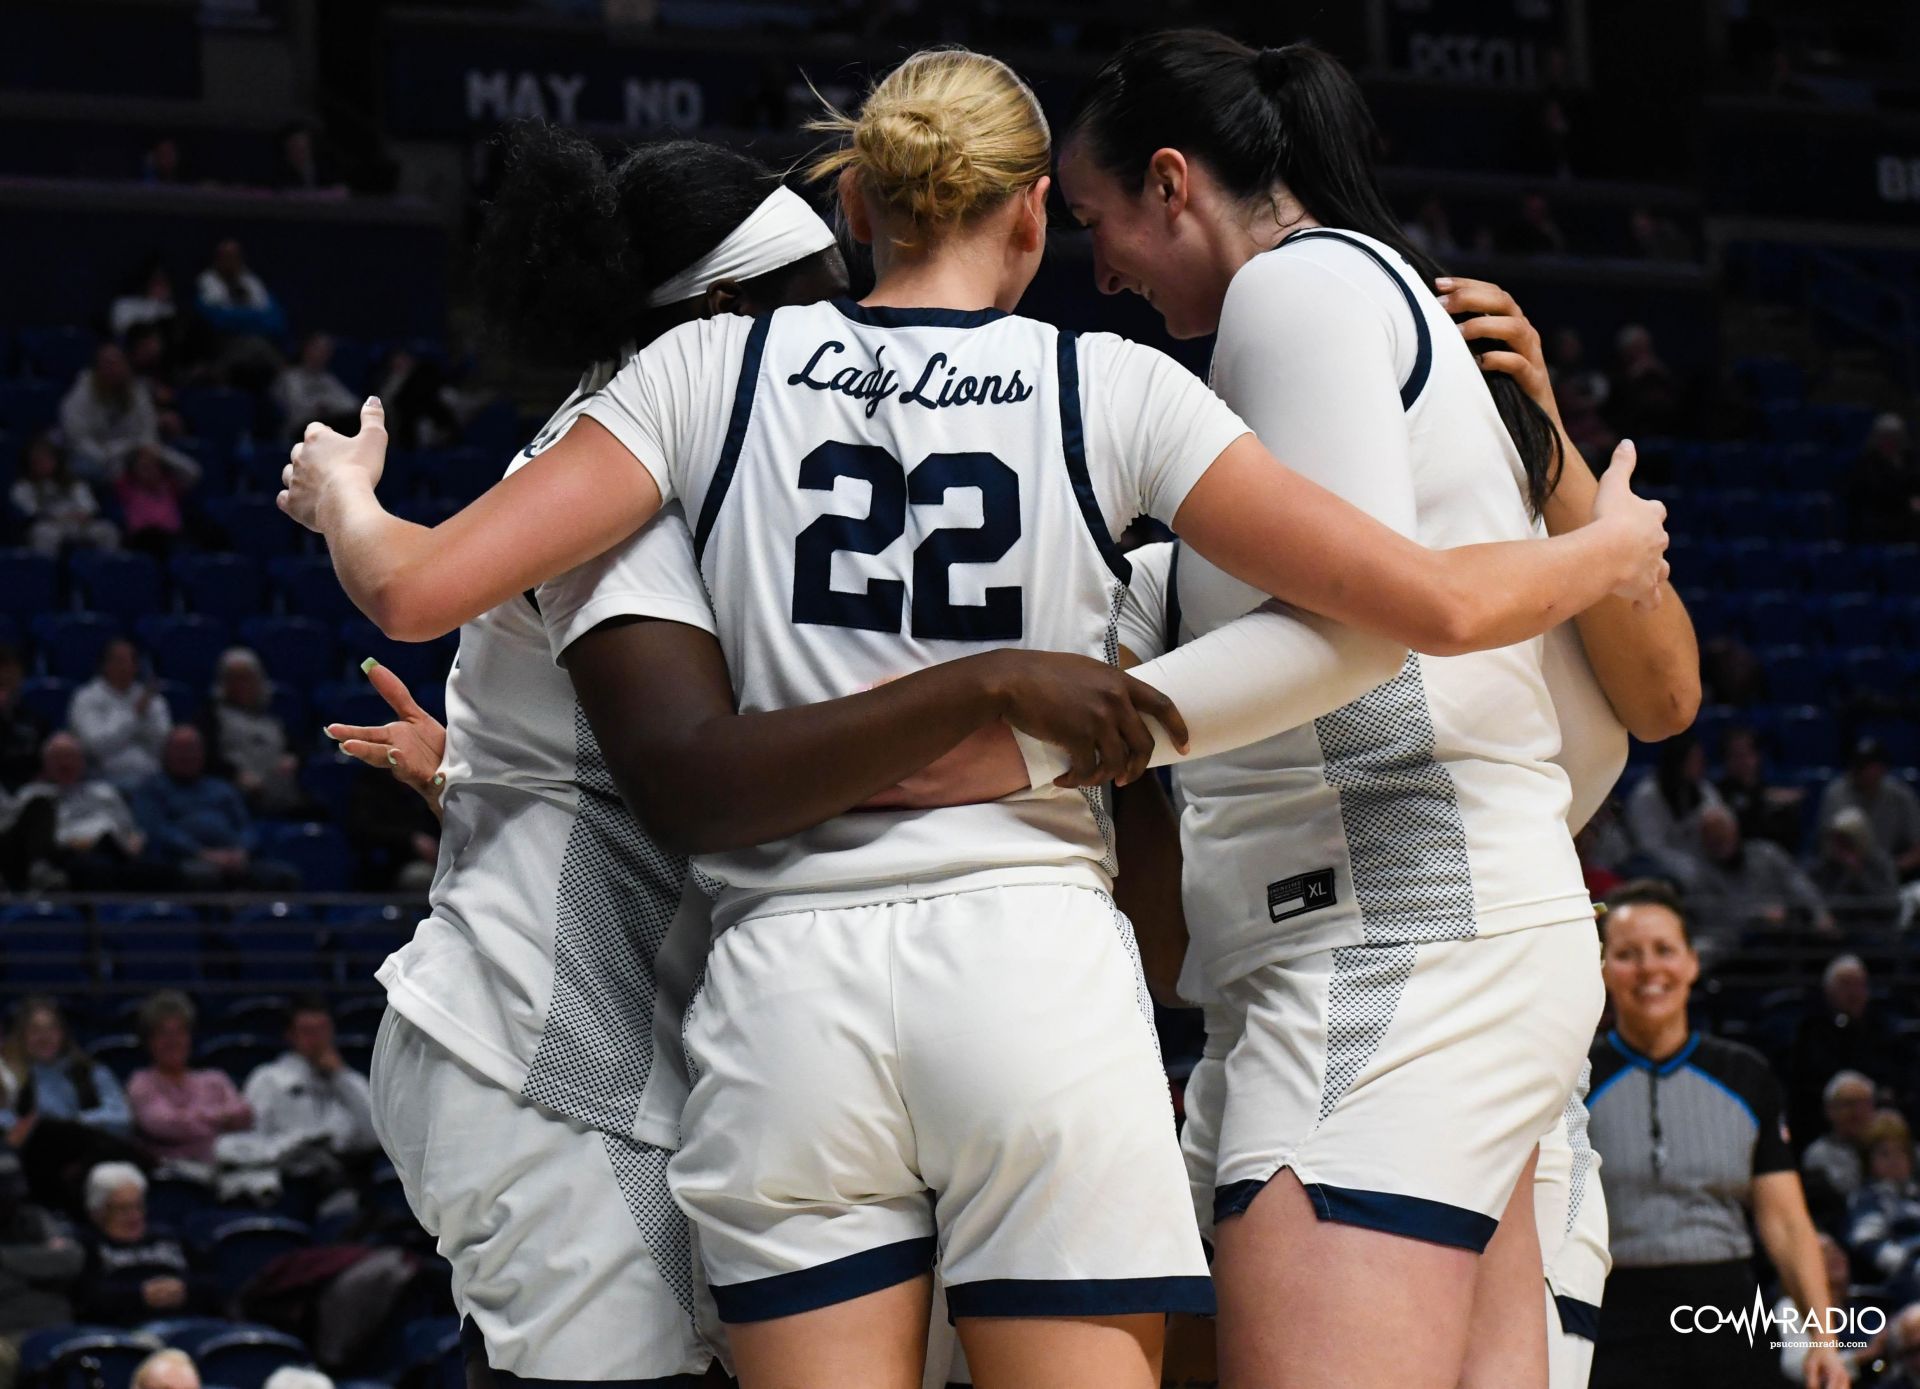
[
  {"x": 983, "y": 766},
  {"x": 1512, "y": 342},
  {"x": 411, "y": 747},
  {"x": 1825, "y": 1369},
  {"x": 325, "y": 458},
  {"x": 1637, "y": 531},
  {"x": 1085, "y": 707}
]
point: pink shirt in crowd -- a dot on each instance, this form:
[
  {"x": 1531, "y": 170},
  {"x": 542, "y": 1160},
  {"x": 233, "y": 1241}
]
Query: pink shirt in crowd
[{"x": 181, "y": 1118}]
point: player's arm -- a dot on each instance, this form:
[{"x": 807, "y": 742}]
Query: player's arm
[
  {"x": 1647, "y": 659},
  {"x": 703, "y": 777},
  {"x": 1147, "y": 888},
  {"x": 577, "y": 499}
]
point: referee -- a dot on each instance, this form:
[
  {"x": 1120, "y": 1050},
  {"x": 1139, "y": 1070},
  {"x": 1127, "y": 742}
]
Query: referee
[{"x": 1691, "y": 1136}]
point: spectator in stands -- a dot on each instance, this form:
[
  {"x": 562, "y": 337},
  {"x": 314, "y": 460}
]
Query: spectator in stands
[
  {"x": 199, "y": 824},
  {"x": 177, "y": 1111},
  {"x": 149, "y": 301},
  {"x": 1744, "y": 886},
  {"x": 1836, "y": 1160},
  {"x": 308, "y": 390},
  {"x": 1580, "y": 391},
  {"x": 1855, "y": 874},
  {"x": 1656, "y": 237},
  {"x": 134, "y": 1272},
  {"x": 47, "y": 1075},
  {"x": 309, "y": 1091},
  {"x": 1730, "y": 672},
  {"x": 394, "y": 834},
  {"x": 298, "y": 1377},
  {"x": 1765, "y": 811},
  {"x": 1883, "y": 1218},
  {"x": 247, "y": 742},
  {"x": 1845, "y": 1031},
  {"x": 418, "y": 401},
  {"x": 166, "y": 1369},
  {"x": 1536, "y": 233},
  {"x": 1889, "y": 804},
  {"x": 59, "y": 510},
  {"x": 244, "y": 316},
  {"x": 1882, "y": 489},
  {"x": 149, "y": 492},
  {"x": 1646, "y": 395},
  {"x": 1663, "y": 811},
  {"x": 108, "y": 415},
  {"x": 21, "y": 731},
  {"x": 301, "y": 170},
  {"x": 161, "y": 163},
  {"x": 1432, "y": 231},
  {"x": 38, "y": 1267},
  {"x": 119, "y": 718},
  {"x": 87, "y": 837}
]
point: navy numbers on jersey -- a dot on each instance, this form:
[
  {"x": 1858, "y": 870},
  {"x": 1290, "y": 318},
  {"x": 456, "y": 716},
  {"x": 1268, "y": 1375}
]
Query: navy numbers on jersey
[{"x": 879, "y": 608}]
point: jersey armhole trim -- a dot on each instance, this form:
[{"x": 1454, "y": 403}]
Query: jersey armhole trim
[
  {"x": 1172, "y": 635},
  {"x": 1073, "y": 441},
  {"x": 1423, "y": 348},
  {"x": 736, "y": 433}
]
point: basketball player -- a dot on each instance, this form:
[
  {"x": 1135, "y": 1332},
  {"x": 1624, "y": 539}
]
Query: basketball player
[{"x": 878, "y": 1048}]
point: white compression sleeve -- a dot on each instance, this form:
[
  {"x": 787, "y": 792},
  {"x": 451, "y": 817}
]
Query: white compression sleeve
[{"x": 1259, "y": 675}]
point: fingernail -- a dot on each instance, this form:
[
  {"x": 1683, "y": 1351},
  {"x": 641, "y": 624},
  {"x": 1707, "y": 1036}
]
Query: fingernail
[
  {"x": 439, "y": 778},
  {"x": 328, "y": 730},
  {"x": 393, "y": 758},
  {"x": 371, "y": 400},
  {"x": 1444, "y": 282},
  {"x": 366, "y": 666}
]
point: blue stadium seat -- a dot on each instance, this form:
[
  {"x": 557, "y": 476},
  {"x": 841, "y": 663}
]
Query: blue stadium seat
[
  {"x": 364, "y": 1011},
  {"x": 352, "y": 363},
  {"x": 1898, "y": 567},
  {"x": 239, "y": 1053},
  {"x": 319, "y": 851},
  {"x": 27, "y": 407},
  {"x": 272, "y": 914},
  {"x": 1737, "y": 512},
  {"x": 1900, "y": 734},
  {"x": 1827, "y": 566},
  {"x": 46, "y": 954},
  {"x": 82, "y": 1357},
  {"x": 243, "y": 1357},
  {"x": 296, "y": 650},
  {"x": 1805, "y": 515},
  {"x": 55, "y": 355},
  {"x": 40, "y": 914},
  {"x": 289, "y": 705},
  {"x": 431, "y": 1354},
  {"x": 120, "y": 1052},
  {"x": 495, "y": 434},
  {"x": 1750, "y": 565},
  {"x": 420, "y": 664},
  {"x": 156, "y": 952},
  {"x": 1795, "y": 674},
  {"x": 310, "y": 588},
  {"x": 29, "y": 582},
  {"x": 254, "y": 525},
  {"x": 280, "y": 955},
  {"x": 1876, "y": 675},
  {"x": 155, "y": 913},
  {"x": 1780, "y": 617},
  {"x": 352, "y": 701},
  {"x": 213, "y": 412},
  {"x": 184, "y": 701},
  {"x": 185, "y": 647},
  {"x": 1856, "y": 619},
  {"x": 265, "y": 1014},
  {"x": 240, "y": 1248},
  {"x": 182, "y": 1331},
  {"x": 70, "y": 643},
  {"x": 47, "y": 697},
  {"x": 328, "y": 777},
  {"x": 1805, "y": 736},
  {"x": 122, "y": 584},
  {"x": 173, "y": 1201},
  {"x": 1903, "y": 621},
  {"x": 10, "y": 634},
  {"x": 226, "y": 587},
  {"x": 1771, "y": 378}
]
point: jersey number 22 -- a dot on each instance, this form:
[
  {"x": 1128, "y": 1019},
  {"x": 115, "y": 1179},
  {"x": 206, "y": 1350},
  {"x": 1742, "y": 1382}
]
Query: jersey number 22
[{"x": 878, "y": 609}]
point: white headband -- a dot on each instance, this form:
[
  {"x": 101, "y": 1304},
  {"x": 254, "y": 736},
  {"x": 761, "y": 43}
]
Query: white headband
[{"x": 780, "y": 231}]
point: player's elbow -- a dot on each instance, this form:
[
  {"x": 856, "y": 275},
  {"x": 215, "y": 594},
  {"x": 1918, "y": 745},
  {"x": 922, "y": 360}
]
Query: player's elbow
[
  {"x": 405, "y": 609},
  {"x": 1670, "y": 712}
]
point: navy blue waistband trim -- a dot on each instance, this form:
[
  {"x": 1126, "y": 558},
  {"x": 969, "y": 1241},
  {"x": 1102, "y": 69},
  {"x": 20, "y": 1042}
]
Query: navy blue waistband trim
[
  {"x": 475, "y": 1347},
  {"x": 1080, "y": 1297},
  {"x": 1412, "y": 1217},
  {"x": 841, "y": 1280},
  {"x": 1578, "y": 1318}
]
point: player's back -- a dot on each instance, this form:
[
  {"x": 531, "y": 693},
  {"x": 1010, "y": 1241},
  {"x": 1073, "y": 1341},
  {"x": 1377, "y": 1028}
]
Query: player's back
[{"x": 900, "y": 488}]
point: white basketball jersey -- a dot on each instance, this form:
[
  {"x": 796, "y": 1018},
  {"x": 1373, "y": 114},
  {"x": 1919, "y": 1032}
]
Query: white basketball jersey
[{"x": 895, "y": 488}]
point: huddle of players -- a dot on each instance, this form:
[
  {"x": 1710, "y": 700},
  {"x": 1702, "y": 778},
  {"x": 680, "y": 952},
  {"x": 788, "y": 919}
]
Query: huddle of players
[{"x": 826, "y": 637}]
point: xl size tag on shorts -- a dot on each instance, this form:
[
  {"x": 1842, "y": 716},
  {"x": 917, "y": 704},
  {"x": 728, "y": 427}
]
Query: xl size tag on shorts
[{"x": 1298, "y": 895}]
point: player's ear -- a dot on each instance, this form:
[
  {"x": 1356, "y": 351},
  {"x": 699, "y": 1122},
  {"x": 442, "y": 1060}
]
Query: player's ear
[
  {"x": 1169, "y": 181},
  {"x": 724, "y": 297},
  {"x": 854, "y": 208},
  {"x": 1030, "y": 228}
]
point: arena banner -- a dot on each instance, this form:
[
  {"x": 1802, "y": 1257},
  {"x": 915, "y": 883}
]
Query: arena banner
[
  {"x": 1806, "y": 162},
  {"x": 1496, "y": 43}
]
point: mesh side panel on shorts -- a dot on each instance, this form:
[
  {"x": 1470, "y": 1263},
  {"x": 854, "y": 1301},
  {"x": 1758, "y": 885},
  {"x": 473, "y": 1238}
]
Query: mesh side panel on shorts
[
  {"x": 1582, "y": 1167},
  {"x": 641, "y": 1170},
  {"x": 1100, "y": 798},
  {"x": 1406, "y": 841},
  {"x": 686, "y": 1028},
  {"x": 1142, "y": 995},
  {"x": 617, "y": 897},
  {"x": 1362, "y": 996}
]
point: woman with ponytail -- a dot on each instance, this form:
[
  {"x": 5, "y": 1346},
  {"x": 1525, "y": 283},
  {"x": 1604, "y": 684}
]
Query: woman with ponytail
[
  {"x": 918, "y": 1041},
  {"x": 1388, "y": 922}
]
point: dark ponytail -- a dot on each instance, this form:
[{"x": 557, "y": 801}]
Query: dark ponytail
[
  {"x": 571, "y": 248},
  {"x": 1266, "y": 118}
]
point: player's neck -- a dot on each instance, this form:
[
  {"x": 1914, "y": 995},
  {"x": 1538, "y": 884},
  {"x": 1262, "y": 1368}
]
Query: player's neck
[{"x": 943, "y": 280}]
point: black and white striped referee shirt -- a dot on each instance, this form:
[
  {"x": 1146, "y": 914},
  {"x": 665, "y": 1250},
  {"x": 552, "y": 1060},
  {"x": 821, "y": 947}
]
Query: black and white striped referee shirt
[{"x": 1681, "y": 1141}]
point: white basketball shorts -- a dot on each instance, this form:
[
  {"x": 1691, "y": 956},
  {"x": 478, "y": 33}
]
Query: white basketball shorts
[
  {"x": 1404, "y": 1085},
  {"x": 1571, "y": 1212},
  {"x": 968, "y": 1081},
  {"x": 569, "y": 1256}
]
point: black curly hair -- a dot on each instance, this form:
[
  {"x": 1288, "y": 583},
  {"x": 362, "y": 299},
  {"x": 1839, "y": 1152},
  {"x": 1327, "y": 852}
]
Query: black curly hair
[{"x": 570, "y": 248}]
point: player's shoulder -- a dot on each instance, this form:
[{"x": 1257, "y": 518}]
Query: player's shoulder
[{"x": 1319, "y": 269}]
